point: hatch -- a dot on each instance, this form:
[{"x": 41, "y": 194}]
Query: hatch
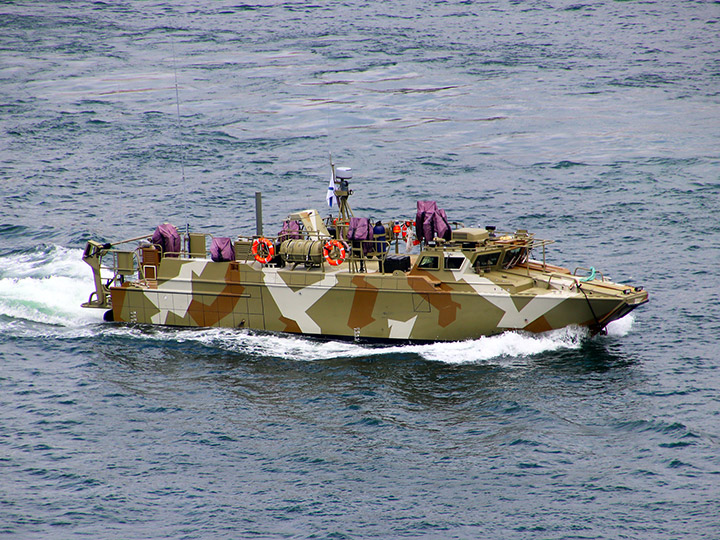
[{"x": 470, "y": 234}]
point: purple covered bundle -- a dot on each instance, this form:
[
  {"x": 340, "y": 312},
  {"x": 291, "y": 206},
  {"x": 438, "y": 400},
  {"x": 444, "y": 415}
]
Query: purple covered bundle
[
  {"x": 361, "y": 229},
  {"x": 431, "y": 222},
  {"x": 221, "y": 249},
  {"x": 166, "y": 236},
  {"x": 290, "y": 231}
]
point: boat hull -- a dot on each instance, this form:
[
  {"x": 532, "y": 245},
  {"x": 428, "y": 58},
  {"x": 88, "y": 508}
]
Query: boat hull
[{"x": 414, "y": 306}]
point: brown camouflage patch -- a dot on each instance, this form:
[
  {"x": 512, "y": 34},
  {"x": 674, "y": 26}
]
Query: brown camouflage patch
[
  {"x": 363, "y": 303},
  {"x": 439, "y": 295},
  {"x": 290, "y": 325},
  {"x": 222, "y": 305},
  {"x": 539, "y": 325},
  {"x": 118, "y": 301}
]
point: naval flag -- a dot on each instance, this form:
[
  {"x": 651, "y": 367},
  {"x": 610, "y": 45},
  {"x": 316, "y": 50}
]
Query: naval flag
[{"x": 331, "y": 191}]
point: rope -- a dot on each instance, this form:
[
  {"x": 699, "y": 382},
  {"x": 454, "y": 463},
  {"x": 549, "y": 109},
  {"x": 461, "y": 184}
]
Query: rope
[
  {"x": 579, "y": 288},
  {"x": 591, "y": 276}
]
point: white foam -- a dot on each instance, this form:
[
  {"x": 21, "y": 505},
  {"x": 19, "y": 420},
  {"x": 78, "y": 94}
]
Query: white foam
[
  {"x": 621, "y": 327},
  {"x": 276, "y": 345},
  {"x": 511, "y": 347},
  {"x": 47, "y": 287}
]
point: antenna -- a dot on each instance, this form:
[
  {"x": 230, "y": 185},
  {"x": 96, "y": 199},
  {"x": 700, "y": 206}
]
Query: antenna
[{"x": 179, "y": 128}]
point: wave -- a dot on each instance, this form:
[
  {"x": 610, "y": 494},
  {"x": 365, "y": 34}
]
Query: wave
[
  {"x": 621, "y": 327},
  {"x": 46, "y": 286},
  {"x": 513, "y": 348}
]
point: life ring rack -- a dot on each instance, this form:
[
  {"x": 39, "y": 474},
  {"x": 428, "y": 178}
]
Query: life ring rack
[
  {"x": 263, "y": 250},
  {"x": 334, "y": 247}
]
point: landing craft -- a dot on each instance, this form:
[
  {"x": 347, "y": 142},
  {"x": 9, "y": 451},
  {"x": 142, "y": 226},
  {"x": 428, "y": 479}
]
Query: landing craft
[{"x": 346, "y": 278}]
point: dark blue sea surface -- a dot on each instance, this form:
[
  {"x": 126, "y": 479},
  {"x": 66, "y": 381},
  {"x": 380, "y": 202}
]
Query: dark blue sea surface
[{"x": 594, "y": 123}]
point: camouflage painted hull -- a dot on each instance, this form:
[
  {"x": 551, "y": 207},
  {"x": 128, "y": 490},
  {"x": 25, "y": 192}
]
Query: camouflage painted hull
[
  {"x": 338, "y": 278},
  {"x": 417, "y": 305}
]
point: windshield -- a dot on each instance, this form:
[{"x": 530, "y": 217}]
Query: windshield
[{"x": 513, "y": 257}]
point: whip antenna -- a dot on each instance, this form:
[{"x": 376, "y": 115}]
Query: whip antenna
[{"x": 179, "y": 128}]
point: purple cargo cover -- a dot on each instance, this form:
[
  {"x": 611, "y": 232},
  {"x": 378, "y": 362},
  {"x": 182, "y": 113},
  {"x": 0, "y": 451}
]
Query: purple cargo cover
[
  {"x": 424, "y": 209},
  {"x": 442, "y": 227},
  {"x": 431, "y": 222},
  {"x": 361, "y": 229},
  {"x": 290, "y": 231},
  {"x": 221, "y": 249},
  {"x": 166, "y": 236}
]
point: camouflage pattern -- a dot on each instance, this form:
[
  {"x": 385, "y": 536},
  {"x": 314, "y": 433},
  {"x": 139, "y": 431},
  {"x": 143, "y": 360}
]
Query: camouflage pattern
[{"x": 454, "y": 291}]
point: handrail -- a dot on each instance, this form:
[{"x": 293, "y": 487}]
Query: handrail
[
  {"x": 143, "y": 237},
  {"x": 571, "y": 277}
]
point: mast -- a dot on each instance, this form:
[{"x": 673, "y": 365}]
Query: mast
[{"x": 341, "y": 175}]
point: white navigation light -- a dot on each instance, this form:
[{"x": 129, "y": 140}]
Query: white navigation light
[{"x": 343, "y": 173}]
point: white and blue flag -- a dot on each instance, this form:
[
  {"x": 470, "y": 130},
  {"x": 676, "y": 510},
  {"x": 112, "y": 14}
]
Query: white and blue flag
[{"x": 331, "y": 191}]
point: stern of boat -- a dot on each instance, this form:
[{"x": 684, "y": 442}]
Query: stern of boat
[{"x": 92, "y": 256}]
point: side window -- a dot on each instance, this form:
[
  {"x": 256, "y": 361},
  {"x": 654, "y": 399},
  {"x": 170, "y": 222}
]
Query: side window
[
  {"x": 485, "y": 261},
  {"x": 429, "y": 263},
  {"x": 454, "y": 263}
]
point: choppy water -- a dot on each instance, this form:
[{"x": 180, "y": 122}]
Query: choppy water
[{"x": 596, "y": 123}]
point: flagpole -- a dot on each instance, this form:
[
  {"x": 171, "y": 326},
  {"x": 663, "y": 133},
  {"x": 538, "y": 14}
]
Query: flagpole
[
  {"x": 332, "y": 168},
  {"x": 330, "y": 195}
]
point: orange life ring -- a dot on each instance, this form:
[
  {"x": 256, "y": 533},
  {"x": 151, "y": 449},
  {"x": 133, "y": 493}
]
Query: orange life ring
[
  {"x": 263, "y": 250},
  {"x": 332, "y": 247}
]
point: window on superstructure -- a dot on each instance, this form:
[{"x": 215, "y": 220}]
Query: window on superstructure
[
  {"x": 513, "y": 257},
  {"x": 429, "y": 263},
  {"x": 486, "y": 261},
  {"x": 453, "y": 262}
]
